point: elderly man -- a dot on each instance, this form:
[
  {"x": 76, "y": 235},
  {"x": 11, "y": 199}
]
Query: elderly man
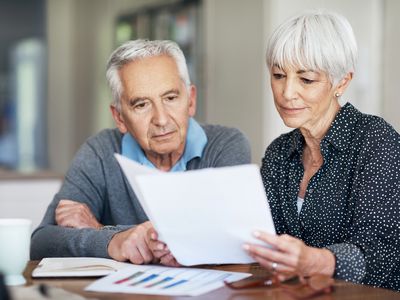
[{"x": 96, "y": 213}]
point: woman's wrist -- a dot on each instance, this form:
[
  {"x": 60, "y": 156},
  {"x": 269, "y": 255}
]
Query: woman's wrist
[
  {"x": 322, "y": 262},
  {"x": 327, "y": 262}
]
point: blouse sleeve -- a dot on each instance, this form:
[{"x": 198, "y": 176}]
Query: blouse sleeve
[{"x": 372, "y": 247}]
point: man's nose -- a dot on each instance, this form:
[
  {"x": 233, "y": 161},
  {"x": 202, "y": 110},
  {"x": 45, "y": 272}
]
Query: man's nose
[
  {"x": 290, "y": 90},
  {"x": 160, "y": 115}
]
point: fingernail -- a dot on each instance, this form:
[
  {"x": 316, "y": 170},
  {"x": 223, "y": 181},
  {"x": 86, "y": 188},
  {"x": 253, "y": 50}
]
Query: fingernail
[
  {"x": 153, "y": 236},
  {"x": 160, "y": 246},
  {"x": 246, "y": 247},
  {"x": 256, "y": 234}
]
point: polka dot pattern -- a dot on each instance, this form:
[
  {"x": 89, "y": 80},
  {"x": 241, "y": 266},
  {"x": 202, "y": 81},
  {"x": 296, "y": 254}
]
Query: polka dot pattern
[{"x": 352, "y": 204}]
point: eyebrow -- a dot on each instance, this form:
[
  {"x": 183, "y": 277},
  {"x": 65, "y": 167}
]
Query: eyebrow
[
  {"x": 133, "y": 101},
  {"x": 299, "y": 71},
  {"x": 171, "y": 91},
  {"x": 307, "y": 71}
]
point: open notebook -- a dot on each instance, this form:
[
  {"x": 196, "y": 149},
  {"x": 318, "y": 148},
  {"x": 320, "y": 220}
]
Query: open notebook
[{"x": 77, "y": 267}]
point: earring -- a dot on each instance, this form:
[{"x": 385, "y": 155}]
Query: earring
[{"x": 337, "y": 95}]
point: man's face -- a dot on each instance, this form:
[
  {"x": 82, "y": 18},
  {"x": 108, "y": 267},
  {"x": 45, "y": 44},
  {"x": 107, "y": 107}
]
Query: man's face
[{"x": 155, "y": 105}]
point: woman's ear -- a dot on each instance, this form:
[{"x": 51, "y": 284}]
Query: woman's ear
[
  {"x": 344, "y": 83},
  {"x": 119, "y": 120}
]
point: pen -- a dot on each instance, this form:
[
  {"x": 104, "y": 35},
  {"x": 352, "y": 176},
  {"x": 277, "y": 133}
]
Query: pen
[
  {"x": 43, "y": 290},
  {"x": 4, "y": 295}
]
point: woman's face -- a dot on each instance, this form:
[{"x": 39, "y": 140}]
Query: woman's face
[{"x": 304, "y": 98}]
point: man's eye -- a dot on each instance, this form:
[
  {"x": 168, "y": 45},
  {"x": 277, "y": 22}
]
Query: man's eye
[
  {"x": 140, "y": 105},
  {"x": 278, "y": 76},
  {"x": 171, "y": 98},
  {"x": 307, "y": 81}
]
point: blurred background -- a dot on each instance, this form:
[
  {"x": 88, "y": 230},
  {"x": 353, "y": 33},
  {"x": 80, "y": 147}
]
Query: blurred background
[{"x": 53, "y": 93}]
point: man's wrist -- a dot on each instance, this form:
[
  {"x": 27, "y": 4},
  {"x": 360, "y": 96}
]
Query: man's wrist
[{"x": 108, "y": 227}]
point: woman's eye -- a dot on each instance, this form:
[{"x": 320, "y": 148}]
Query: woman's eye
[
  {"x": 278, "y": 76},
  {"x": 307, "y": 81}
]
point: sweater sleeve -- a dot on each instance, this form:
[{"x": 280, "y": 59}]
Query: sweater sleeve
[{"x": 84, "y": 182}]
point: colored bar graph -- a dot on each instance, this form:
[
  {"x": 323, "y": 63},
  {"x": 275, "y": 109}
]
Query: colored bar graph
[
  {"x": 164, "y": 280},
  {"x": 175, "y": 284},
  {"x": 134, "y": 275},
  {"x": 148, "y": 278}
]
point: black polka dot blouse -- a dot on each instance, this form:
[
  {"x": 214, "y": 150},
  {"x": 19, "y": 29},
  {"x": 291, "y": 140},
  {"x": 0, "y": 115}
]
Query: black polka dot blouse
[{"x": 352, "y": 204}]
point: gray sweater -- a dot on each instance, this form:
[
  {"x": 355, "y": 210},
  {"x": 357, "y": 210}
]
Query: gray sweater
[{"x": 96, "y": 179}]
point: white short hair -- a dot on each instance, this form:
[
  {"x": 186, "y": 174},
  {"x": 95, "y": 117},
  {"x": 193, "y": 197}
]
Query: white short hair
[
  {"x": 139, "y": 49},
  {"x": 314, "y": 40}
]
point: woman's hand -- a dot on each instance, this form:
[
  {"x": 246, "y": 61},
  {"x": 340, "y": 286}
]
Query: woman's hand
[{"x": 289, "y": 255}]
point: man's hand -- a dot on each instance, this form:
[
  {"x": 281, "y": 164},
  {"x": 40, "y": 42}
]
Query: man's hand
[
  {"x": 132, "y": 245},
  {"x": 160, "y": 250},
  {"x": 76, "y": 215}
]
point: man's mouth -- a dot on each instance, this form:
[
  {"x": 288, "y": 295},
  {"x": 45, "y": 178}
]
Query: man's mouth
[{"x": 164, "y": 135}]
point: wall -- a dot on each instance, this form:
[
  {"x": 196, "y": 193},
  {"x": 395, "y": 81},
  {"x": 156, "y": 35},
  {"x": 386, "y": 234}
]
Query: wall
[
  {"x": 237, "y": 89},
  {"x": 391, "y": 63},
  {"x": 27, "y": 198},
  {"x": 234, "y": 59}
]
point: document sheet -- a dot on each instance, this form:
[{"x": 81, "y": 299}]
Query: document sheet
[
  {"x": 157, "y": 280},
  {"x": 204, "y": 216}
]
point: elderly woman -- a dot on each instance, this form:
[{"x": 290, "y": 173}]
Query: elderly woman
[{"x": 333, "y": 182}]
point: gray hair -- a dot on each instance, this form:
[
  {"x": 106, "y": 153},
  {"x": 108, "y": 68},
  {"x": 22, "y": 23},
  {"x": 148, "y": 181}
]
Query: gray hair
[
  {"x": 139, "y": 49},
  {"x": 314, "y": 40}
]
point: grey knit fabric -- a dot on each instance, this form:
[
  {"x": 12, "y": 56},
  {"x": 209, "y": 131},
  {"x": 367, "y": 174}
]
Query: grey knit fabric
[{"x": 96, "y": 179}]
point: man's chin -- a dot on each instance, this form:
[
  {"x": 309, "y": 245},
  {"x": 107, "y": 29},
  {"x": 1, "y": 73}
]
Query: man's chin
[{"x": 165, "y": 148}]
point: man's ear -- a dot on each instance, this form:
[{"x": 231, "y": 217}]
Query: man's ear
[
  {"x": 192, "y": 100},
  {"x": 119, "y": 120},
  {"x": 344, "y": 83}
]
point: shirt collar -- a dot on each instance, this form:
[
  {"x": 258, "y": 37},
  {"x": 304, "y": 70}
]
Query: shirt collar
[
  {"x": 340, "y": 134},
  {"x": 343, "y": 123},
  {"x": 196, "y": 141},
  {"x": 296, "y": 142}
]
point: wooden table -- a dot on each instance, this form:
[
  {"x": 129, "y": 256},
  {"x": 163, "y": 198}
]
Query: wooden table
[{"x": 342, "y": 290}]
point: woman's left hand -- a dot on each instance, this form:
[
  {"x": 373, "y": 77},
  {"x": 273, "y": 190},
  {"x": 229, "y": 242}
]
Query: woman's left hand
[{"x": 289, "y": 255}]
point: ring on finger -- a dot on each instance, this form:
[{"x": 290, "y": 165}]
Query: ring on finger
[{"x": 274, "y": 266}]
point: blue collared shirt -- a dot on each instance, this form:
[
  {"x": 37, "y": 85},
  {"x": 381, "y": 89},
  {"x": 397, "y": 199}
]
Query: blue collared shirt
[{"x": 196, "y": 140}]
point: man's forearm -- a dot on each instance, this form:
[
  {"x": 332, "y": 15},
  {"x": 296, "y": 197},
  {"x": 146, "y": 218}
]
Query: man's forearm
[{"x": 57, "y": 241}]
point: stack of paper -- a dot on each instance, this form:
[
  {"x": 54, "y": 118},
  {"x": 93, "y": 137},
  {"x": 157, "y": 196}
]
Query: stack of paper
[
  {"x": 204, "y": 216},
  {"x": 156, "y": 280}
]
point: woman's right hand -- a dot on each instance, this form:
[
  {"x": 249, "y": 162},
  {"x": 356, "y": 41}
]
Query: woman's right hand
[{"x": 289, "y": 255}]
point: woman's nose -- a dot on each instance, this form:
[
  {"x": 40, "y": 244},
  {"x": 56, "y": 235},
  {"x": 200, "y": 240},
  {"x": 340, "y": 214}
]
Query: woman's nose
[{"x": 290, "y": 90}]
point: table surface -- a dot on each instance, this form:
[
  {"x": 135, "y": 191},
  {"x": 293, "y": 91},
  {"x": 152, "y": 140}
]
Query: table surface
[{"x": 342, "y": 290}]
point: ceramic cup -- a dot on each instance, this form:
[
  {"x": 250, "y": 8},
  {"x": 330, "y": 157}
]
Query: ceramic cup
[{"x": 15, "y": 237}]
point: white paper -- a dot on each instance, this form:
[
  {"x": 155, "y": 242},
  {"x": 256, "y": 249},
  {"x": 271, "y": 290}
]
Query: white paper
[
  {"x": 204, "y": 216},
  {"x": 76, "y": 267},
  {"x": 157, "y": 280}
]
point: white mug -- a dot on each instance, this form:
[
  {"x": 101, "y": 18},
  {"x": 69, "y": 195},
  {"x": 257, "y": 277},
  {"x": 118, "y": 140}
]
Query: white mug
[{"x": 15, "y": 238}]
